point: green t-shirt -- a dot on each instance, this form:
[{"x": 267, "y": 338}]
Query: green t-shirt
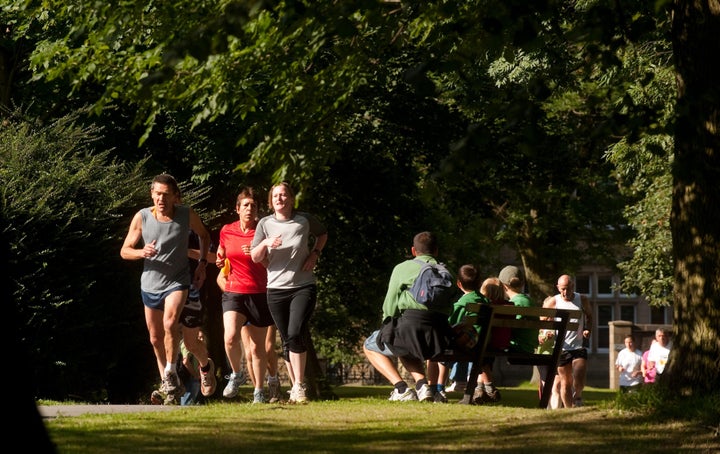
[
  {"x": 397, "y": 298},
  {"x": 525, "y": 340},
  {"x": 460, "y": 306}
]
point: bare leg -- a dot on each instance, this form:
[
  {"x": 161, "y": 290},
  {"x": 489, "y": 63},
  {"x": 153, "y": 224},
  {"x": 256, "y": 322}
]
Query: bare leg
[
  {"x": 555, "y": 400},
  {"x": 247, "y": 344},
  {"x": 154, "y": 323},
  {"x": 259, "y": 355},
  {"x": 174, "y": 303},
  {"x": 384, "y": 365},
  {"x": 232, "y": 324},
  {"x": 298, "y": 360},
  {"x": 433, "y": 372},
  {"x": 416, "y": 367},
  {"x": 579, "y": 371},
  {"x": 195, "y": 345},
  {"x": 443, "y": 373},
  {"x": 566, "y": 384},
  {"x": 272, "y": 356}
]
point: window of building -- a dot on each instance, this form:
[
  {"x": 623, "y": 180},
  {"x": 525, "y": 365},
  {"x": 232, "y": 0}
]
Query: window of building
[
  {"x": 605, "y": 287},
  {"x": 627, "y": 313},
  {"x": 605, "y": 314},
  {"x": 582, "y": 284},
  {"x": 659, "y": 315}
]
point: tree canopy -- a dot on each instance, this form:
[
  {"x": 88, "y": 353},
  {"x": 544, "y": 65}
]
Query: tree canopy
[{"x": 547, "y": 127}]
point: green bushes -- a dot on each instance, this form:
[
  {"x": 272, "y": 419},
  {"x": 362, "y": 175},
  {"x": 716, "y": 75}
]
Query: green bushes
[{"x": 65, "y": 207}]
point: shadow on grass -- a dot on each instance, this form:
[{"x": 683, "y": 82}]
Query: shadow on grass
[{"x": 363, "y": 420}]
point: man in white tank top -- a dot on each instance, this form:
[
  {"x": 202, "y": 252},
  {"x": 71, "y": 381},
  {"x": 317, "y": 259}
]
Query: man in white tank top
[{"x": 572, "y": 366}]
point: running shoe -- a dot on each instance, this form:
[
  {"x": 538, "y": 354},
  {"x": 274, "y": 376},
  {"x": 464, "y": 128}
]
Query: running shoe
[
  {"x": 258, "y": 396},
  {"x": 233, "y": 385},
  {"x": 208, "y": 382},
  {"x": 273, "y": 389},
  {"x": 298, "y": 394},
  {"x": 408, "y": 395},
  {"x": 492, "y": 396},
  {"x": 425, "y": 394}
]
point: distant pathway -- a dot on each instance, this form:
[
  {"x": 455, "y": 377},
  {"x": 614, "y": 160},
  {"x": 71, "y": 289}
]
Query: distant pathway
[{"x": 54, "y": 411}]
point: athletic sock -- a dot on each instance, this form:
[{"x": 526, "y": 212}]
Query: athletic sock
[
  {"x": 420, "y": 384},
  {"x": 401, "y": 386}
]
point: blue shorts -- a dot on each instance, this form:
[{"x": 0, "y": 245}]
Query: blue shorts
[
  {"x": 157, "y": 300},
  {"x": 371, "y": 345}
]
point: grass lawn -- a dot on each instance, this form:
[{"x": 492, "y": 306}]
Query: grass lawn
[{"x": 363, "y": 420}]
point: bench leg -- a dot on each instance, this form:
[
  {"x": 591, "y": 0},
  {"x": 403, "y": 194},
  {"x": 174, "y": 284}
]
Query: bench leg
[
  {"x": 546, "y": 389},
  {"x": 467, "y": 398}
]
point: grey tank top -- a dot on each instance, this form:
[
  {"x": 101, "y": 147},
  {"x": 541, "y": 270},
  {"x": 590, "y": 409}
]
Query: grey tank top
[{"x": 170, "y": 268}]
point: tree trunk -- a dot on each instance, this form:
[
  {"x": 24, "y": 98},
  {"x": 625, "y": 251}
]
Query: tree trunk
[{"x": 694, "y": 364}]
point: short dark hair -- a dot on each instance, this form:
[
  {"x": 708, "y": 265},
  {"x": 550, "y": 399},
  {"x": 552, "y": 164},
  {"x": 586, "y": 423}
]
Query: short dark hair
[
  {"x": 469, "y": 277},
  {"x": 247, "y": 192},
  {"x": 425, "y": 243},
  {"x": 168, "y": 180}
]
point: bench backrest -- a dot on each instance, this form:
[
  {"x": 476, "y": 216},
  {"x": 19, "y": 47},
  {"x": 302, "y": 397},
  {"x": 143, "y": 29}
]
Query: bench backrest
[
  {"x": 533, "y": 318},
  {"x": 505, "y": 316}
]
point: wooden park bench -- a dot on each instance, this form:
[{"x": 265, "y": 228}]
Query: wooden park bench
[{"x": 497, "y": 316}]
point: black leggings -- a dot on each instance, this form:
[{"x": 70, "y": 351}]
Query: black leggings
[{"x": 291, "y": 309}]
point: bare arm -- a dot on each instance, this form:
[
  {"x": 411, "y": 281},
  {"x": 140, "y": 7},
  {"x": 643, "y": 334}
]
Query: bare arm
[
  {"x": 221, "y": 281},
  {"x": 259, "y": 253},
  {"x": 198, "y": 227},
  {"x": 587, "y": 310},
  {"x": 134, "y": 235},
  {"x": 314, "y": 255},
  {"x": 195, "y": 254}
]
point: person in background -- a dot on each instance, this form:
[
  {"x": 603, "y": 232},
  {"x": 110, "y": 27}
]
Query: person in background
[
  {"x": 486, "y": 392},
  {"x": 244, "y": 298},
  {"x": 190, "y": 374},
  {"x": 192, "y": 319},
  {"x": 468, "y": 282},
  {"x": 648, "y": 369},
  {"x": 628, "y": 363},
  {"x": 417, "y": 332},
  {"x": 513, "y": 281},
  {"x": 659, "y": 352},
  {"x": 572, "y": 366},
  {"x": 290, "y": 242},
  {"x": 273, "y": 380},
  {"x": 165, "y": 280}
]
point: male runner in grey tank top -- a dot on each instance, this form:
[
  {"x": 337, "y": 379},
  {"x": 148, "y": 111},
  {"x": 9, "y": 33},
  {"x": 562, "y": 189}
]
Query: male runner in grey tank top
[{"x": 165, "y": 280}]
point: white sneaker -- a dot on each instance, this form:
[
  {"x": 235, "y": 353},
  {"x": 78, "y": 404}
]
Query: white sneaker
[
  {"x": 456, "y": 387},
  {"x": 298, "y": 394},
  {"x": 233, "y": 386},
  {"x": 425, "y": 394},
  {"x": 408, "y": 395}
]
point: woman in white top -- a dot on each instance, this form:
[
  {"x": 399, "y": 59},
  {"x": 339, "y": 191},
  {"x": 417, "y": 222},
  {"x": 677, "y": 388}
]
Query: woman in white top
[{"x": 291, "y": 242}]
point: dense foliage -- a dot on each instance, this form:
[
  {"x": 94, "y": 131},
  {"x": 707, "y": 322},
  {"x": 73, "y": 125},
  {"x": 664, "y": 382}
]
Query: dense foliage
[
  {"x": 542, "y": 126},
  {"x": 64, "y": 204}
]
